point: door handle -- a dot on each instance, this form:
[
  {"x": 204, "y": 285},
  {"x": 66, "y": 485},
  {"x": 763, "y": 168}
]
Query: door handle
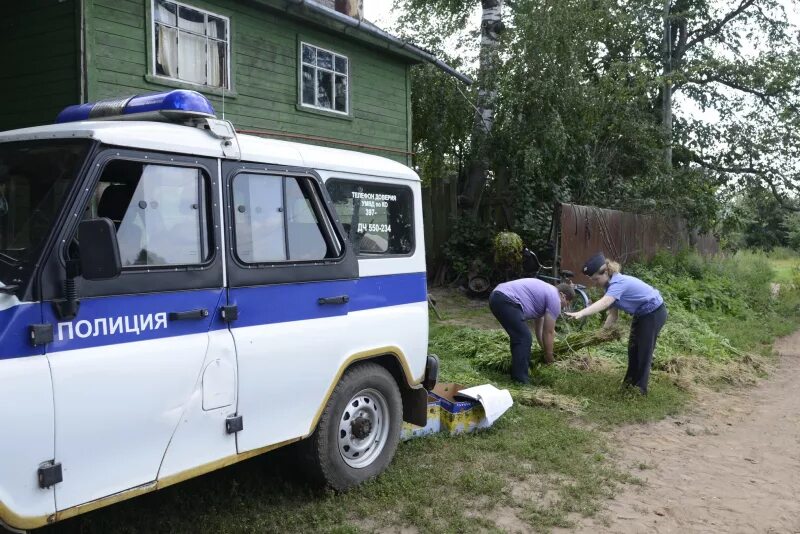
[
  {"x": 341, "y": 299},
  {"x": 191, "y": 314}
]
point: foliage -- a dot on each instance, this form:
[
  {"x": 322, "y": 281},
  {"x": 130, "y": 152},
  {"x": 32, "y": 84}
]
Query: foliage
[
  {"x": 469, "y": 241},
  {"x": 579, "y": 111},
  {"x": 507, "y": 248},
  {"x": 491, "y": 348},
  {"x": 754, "y": 219},
  {"x": 792, "y": 223},
  {"x": 441, "y": 122}
]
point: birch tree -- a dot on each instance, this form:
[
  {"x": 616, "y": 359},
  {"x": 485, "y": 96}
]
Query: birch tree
[
  {"x": 451, "y": 16},
  {"x": 487, "y": 90}
]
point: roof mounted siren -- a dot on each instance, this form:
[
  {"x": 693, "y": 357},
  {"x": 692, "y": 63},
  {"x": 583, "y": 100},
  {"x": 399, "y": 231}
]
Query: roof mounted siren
[
  {"x": 180, "y": 106},
  {"x": 175, "y": 106}
]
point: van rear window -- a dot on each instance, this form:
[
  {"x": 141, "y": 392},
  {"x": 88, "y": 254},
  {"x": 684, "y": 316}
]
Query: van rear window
[{"x": 377, "y": 218}]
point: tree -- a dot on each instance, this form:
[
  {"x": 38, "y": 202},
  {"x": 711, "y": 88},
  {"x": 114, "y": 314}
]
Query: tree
[
  {"x": 741, "y": 59},
  {"x": 754, "y": 220},
  {"x": 590, "y": 107},
  {"x": 421, "y": 16}
]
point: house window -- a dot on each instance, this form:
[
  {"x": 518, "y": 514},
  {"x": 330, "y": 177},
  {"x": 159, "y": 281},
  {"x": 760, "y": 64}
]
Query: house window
[
  {"x": 324, "y": 76},
  {"x": 191, "y": 45}
]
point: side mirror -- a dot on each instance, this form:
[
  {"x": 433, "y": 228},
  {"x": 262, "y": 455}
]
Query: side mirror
[{"x": 99, "y": 250}]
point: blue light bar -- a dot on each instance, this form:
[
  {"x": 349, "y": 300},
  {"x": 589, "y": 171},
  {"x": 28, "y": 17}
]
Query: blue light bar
[{"x": 171, "y": 105}]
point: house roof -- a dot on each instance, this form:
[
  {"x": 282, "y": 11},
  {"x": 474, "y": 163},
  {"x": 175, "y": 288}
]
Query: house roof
[{"x": 364, "y": 30}]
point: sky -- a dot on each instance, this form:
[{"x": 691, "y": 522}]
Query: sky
[{"x": 380, "y": 12}]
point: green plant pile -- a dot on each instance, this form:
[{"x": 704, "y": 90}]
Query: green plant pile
[
  {"x": 508, "y": 250},
  {"x": 495, "y": 356}
]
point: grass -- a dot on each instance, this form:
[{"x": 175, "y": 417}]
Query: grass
[
  {"x": 608, "y": 404},
  {"x": 785, "y": 269},
  {"x": 539, "y": 466},
  {"x": 437, "y": 484}
]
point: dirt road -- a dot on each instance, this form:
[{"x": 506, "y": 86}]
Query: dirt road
[{"x": 732, "y": 465}]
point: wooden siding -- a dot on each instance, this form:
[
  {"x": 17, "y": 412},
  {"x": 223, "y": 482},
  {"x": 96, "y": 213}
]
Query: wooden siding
[
  {"x": 41, "y": 62},
  {"x": 264, "y": 72}
]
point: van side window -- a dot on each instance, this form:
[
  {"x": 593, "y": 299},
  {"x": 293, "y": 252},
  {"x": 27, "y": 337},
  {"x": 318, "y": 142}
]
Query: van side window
[
  {"x": 159, "y": 211},
  {"x": 378, "y": 218},
  {"x": 280, "y": 218}
]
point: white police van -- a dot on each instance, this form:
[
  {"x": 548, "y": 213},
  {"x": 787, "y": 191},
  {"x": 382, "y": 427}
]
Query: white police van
[{"x": 175, "y": 298}]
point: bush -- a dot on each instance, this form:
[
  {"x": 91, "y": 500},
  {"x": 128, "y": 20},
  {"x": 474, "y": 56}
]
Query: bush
[{"x": 469, "y": 241}]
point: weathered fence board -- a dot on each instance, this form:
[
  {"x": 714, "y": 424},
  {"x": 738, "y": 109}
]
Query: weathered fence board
[{"x": 623, "y": 236}]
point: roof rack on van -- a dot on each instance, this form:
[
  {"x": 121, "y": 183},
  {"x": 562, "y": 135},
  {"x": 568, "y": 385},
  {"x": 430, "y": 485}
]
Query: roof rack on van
[{"x": 180, "y": 106}]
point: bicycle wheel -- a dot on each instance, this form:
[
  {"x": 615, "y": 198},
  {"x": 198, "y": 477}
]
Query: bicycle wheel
[{"x": 580, "y": 302}]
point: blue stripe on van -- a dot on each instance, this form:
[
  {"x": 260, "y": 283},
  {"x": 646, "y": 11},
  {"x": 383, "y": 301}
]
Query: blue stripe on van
[
  {"x": 15, "y": 330},
  {"x": 134, "y": 318},
  {"x": 257, "y": 305},
  {"x": 390, "y": 290},
  {"x": 297, "y": 302}
]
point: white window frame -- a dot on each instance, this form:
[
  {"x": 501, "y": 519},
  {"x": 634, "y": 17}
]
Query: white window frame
[
  {"x": 346, "y": 74},
  {"x": 153, "y": 23}
]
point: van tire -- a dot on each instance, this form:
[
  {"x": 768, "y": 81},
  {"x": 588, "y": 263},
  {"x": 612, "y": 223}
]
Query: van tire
[{"x": 364, "y": 411}]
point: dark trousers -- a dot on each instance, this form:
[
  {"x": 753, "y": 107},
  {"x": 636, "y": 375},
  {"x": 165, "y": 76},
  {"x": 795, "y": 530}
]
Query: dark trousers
[
  {"x": 641, "y": 344},
  {"x": 509, "y": 314}
]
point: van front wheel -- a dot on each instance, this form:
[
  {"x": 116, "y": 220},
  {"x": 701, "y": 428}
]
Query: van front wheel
[{"x": 359, "y": 430}]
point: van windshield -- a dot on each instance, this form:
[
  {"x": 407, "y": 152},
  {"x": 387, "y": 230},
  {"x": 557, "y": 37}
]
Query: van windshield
[{"x": 34, "y": 178}]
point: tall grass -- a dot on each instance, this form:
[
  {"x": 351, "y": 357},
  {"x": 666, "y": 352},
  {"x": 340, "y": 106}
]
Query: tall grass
[
  {"x": 723, "y": 311},
  {"x": 723, "y": 317}
]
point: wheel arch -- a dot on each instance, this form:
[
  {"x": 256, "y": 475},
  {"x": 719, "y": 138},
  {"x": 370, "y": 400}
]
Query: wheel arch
[
  {"x": 414, "y": 396},
  {"x": 391, "y": 358}
]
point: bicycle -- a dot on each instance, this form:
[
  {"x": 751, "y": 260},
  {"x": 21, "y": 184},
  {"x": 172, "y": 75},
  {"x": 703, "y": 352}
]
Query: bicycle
[{"x": 532, "y": 268}]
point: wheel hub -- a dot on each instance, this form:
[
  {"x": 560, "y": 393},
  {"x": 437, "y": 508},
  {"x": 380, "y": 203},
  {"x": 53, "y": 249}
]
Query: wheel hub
[{"x": 361, "y": 428}]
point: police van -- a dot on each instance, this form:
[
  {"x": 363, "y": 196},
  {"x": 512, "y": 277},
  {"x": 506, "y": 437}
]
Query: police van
[{"x": 175, "y": 298}]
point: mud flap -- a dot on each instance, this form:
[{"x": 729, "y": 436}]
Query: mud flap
[{"x": 415, "y": 406}]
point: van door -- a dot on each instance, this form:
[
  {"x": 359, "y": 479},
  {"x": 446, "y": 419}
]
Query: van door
[
  {"x": 291, "y": 276},
  {"x": 35, "y": 177},
  {"x": 128, "y": 368}
]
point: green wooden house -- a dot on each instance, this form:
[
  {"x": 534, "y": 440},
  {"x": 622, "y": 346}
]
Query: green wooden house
[{"x": 291, "y": 69}]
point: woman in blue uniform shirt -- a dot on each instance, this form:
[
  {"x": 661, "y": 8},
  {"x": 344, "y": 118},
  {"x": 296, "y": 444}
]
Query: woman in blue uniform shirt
[{"x": 631, "y": 295}]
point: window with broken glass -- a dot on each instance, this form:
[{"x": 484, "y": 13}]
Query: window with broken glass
[
  {"x": 190, "y": 45},
  {"x": 324, "y": 80}
]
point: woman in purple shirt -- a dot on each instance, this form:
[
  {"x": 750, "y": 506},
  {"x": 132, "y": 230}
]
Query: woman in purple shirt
[
  {"x": 515, "y": 302},
  {"x": 637, "y": 298}
]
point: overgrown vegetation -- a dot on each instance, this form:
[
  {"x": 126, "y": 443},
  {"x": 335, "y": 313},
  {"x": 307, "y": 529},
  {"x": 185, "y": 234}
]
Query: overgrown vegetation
[
  {"x": 544, "y": 464},
  {"x": 723, "y": 313},
  {"x": 754, "y": 219},
  {"x": 490, "y": 349},
  {"x": 593, "y": 103}
]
